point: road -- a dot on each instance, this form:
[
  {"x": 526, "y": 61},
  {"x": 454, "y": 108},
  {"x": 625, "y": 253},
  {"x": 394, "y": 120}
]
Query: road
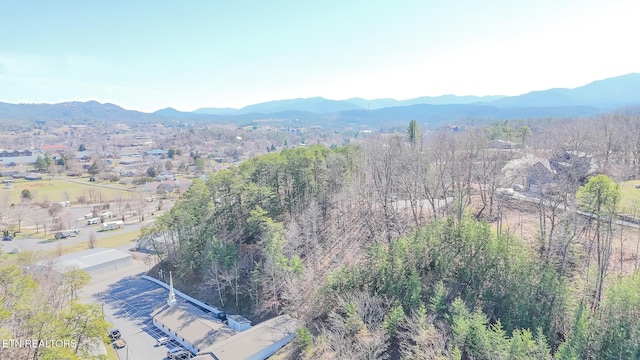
[
  {"x": 522, "y": 197},
  {"x": 75, "y": 212}
]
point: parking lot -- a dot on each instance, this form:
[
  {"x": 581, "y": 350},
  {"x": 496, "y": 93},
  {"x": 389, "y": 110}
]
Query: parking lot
[{"x": 128, "y": 304}]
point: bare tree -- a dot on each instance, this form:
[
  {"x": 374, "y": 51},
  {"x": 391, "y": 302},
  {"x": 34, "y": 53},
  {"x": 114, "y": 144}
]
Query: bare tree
[{"x": 92, "y": 240}]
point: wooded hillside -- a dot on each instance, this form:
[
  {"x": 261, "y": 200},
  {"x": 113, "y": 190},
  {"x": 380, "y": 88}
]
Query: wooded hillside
[{"x": 403, "y": 246}]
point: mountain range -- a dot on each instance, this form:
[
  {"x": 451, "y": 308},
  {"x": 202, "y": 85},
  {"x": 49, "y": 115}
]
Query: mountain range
[{"x": 596, "y": 97}]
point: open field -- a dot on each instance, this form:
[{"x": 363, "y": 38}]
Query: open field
[
  {"x": 59, "y": 190},
  {"x": 630, "y": 197},
  {"x": 108, "y": 242}
]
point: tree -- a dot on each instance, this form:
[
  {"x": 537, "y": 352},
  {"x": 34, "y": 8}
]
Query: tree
[
  {"x": 523, "y": 133},
  {"x": 92, "y": 240},
  {"x": 94, "y": 169},
  {"x": 26, "y": 195},
  {"x": 82, "y": 147},
  {"x": 413, "y": 132},
  {"x": 151, "y": 172},
  {"x": 600, "y": 197},
  {"x": 42, "y": 164},
  {"x": 168, "y": 165}
]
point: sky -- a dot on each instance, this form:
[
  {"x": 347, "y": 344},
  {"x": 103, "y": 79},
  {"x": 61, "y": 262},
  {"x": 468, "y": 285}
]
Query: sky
[{"x": 148, "y": 55}]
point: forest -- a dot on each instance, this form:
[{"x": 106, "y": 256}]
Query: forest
[{"x": 405, "y": 245}]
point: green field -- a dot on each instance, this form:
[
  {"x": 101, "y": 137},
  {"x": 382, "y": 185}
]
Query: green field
[
  {"x": 110, "y": 242},
  {"x": 59, "y": 190},
  {"x": 630, "y": 198}
]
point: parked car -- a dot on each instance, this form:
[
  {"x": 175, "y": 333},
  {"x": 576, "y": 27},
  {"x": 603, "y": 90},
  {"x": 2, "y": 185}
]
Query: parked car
[
  {"x": 163, "y": 340},
  {"x": 120, "y": 343},
  {"x": 114, "y": 334},
  {"x": 7, "y": 238}
]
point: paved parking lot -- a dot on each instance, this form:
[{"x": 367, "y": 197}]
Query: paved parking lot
[{"x": 128, "y": 304}]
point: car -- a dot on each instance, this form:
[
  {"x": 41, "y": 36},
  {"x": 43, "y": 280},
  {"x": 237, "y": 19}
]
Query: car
[
  {"x": 120, "y": 343},
  {"x": 114, "y": 334},
  {"x": 7, "y": 238},
  {"x": 163, "y": 340}
]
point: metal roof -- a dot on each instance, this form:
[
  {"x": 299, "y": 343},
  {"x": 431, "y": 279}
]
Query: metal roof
[
  {"x": 250, "y": 342},
  {"x": 192, "y": 324},
  {"x": 85, "y": 259}
]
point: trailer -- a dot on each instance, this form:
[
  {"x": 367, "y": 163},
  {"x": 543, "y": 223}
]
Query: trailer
[{"x": 112, "y": 225}]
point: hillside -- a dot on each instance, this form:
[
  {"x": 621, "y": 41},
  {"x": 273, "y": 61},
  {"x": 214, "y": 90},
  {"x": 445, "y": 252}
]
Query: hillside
[{"x": 405, "y": 246}]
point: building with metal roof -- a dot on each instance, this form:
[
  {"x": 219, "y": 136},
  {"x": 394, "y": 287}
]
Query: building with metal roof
[
  {"x": 257, "y": 343},
  {"x": 93, "y": 261},
  {"x": 210, "y": 339}
]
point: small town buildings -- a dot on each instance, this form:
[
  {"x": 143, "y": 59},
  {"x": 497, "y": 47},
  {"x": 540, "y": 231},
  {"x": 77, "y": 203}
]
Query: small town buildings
[{"x": 15, "y": 153}]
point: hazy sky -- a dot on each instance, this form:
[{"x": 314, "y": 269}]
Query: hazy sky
[{"x": 148, "y": 55}]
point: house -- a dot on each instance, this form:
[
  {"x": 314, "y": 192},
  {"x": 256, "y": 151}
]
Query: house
[
  {"x": 52, "y": 148},
  {"x": 540, "y": 174},
  {"x": 574, "y": 166},
  {"x": 157, "y": 152},
  {"x": 165, "y": 187},
  {"x": 15, "y": 153},
  {"x": 501, "y": 144}
]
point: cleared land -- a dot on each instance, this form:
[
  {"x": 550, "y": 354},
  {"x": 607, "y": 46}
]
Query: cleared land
[
  {"x": 630, "y": 201},
  {"x": 62, "y": 189}
]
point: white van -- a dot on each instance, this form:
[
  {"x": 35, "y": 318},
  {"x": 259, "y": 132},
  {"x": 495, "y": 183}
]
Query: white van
[{"x": 93, "y": 221}]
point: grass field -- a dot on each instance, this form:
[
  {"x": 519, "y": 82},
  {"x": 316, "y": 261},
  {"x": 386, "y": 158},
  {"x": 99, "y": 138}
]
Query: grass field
[
  {"x": 109, "y": 242},
  {"x": 59, "y": 190},
  {"x": 630, "y": 197}
]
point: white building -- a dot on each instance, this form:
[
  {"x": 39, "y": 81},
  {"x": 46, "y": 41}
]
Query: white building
[
  {"x": 211, "y": 339},
  {"x": 93, "y": 261}
]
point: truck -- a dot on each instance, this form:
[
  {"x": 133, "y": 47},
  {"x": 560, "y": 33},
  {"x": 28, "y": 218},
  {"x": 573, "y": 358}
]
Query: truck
[
  {"x": 112, "y": 225},
  {"x": 93, "y": 221},
  {"x": 106, "y": 214}
]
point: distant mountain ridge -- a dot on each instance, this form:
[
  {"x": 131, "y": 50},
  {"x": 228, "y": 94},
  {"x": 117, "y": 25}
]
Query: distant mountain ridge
[
  {"x": 322, "y": 105},
  {"x": 609, "y": 93},
  {"x": 593, "y": 98}
]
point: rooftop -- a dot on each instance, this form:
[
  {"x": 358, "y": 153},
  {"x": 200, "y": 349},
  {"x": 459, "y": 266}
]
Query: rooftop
[
  {"x": 85, "y": 259},
  {"x": 248, "y": 343},
  {"x": 193, "y": 324}
]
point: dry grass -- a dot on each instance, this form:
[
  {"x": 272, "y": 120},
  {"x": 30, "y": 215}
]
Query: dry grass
[
  {"x": 60, "y": 190},
  {"x": 109, "y": 242}
]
